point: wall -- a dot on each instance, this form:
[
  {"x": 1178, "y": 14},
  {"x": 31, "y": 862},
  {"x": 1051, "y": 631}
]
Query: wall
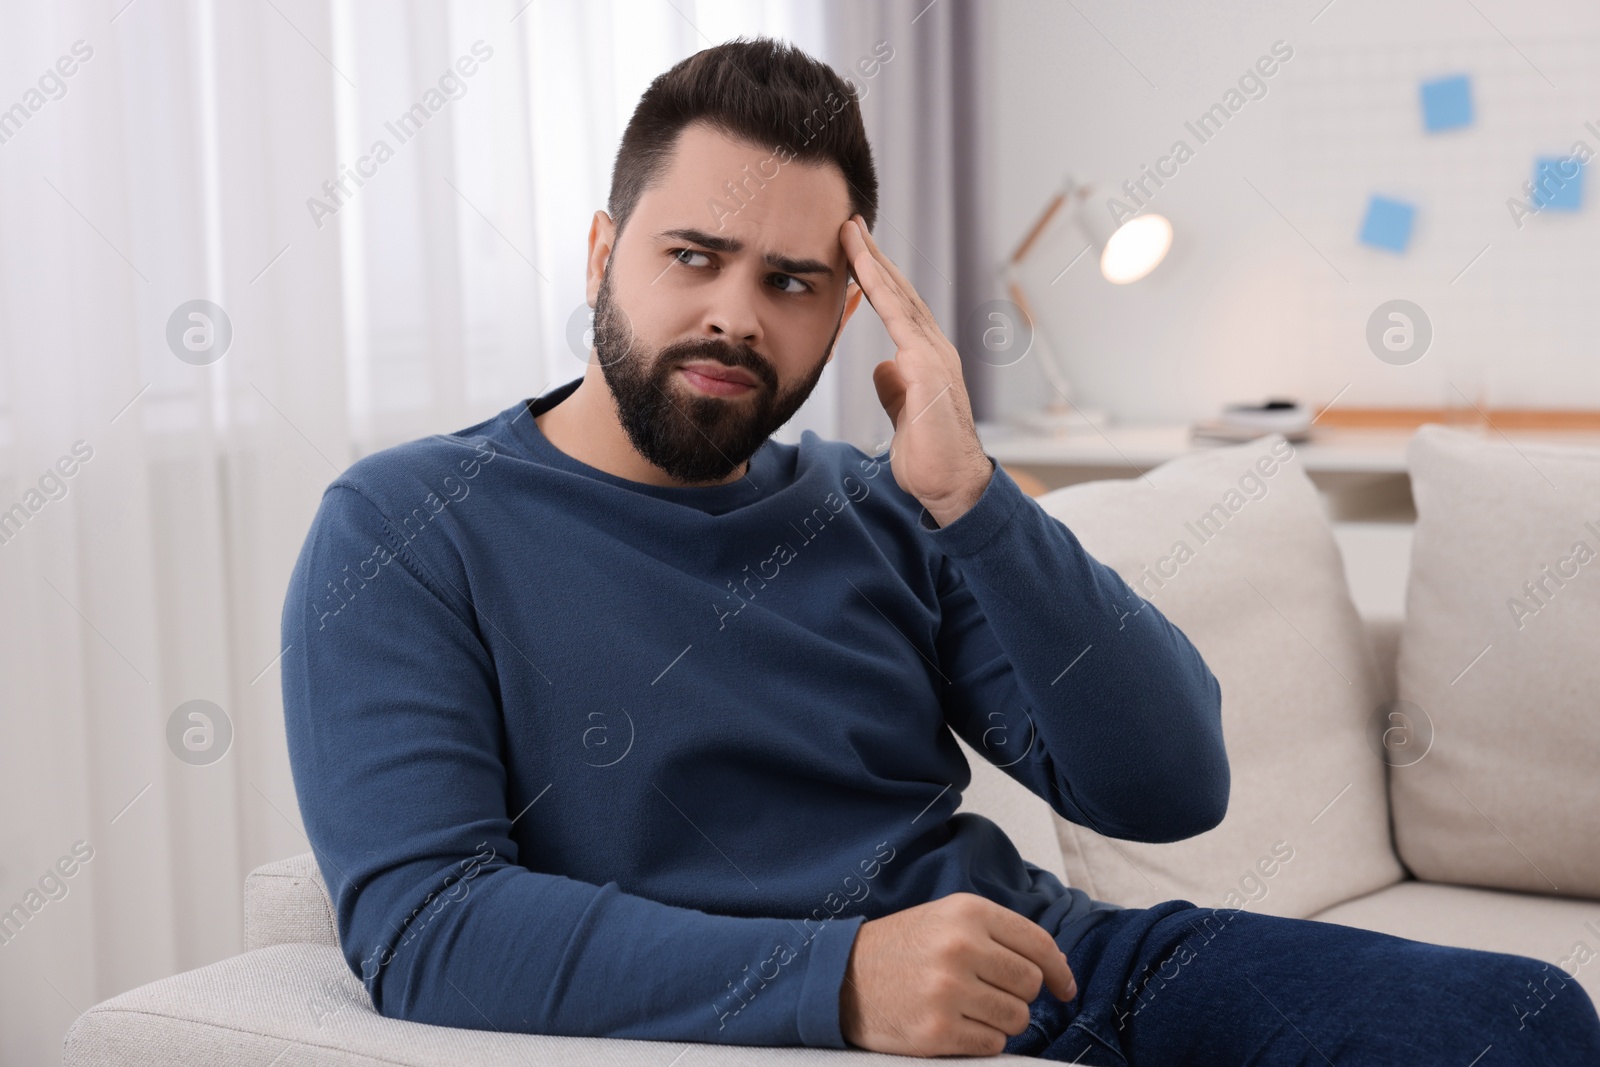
[{"x": 1266, "y": 290}]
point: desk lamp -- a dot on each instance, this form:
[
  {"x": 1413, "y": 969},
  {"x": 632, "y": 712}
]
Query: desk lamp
[{"x": 1128, "y": 252}]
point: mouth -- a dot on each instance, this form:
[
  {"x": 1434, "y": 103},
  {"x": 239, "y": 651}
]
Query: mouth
[{"x": 718, "y": 379}]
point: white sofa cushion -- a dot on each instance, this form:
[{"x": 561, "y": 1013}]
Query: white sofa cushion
[
  {"x": 1254, "y": 578},
  {"x": 1509, "y": 793},
  {"x": 1564, "y": 933},
  {"x": 1025, "y": 817}
]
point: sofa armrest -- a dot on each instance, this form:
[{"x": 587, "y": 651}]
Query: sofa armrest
[
  {"x": 285, "y": 903},
  {"x": 255, "y": 1008}
]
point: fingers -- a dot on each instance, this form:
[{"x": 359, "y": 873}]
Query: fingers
[
  {"x": 969, "y": 1037},
  {"x": 905, "y": 315},
  {"x": 994, "y": 1007},
  {"x": 1031, "y": 941},
  {"x": 889, "y": 266},
  {"x": 882, "y": 291},
  {"x": 917, "y": 310},
  {"x": 1011, "y": 972}
]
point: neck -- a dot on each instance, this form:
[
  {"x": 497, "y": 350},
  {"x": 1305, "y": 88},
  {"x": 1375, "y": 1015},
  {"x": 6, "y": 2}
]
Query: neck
[{"x": 585, "y": 426}]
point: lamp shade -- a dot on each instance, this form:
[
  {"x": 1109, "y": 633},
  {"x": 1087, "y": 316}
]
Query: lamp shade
[{"x": 1135, "y": 249}]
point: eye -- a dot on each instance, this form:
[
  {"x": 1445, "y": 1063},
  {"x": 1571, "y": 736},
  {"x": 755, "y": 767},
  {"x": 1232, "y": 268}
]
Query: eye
[
  {"x": 802, "y": 286},
  {"x": 679, "y": 254}
]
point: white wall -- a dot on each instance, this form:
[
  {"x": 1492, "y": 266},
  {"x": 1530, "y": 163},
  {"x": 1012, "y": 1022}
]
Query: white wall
[{"x": 1245, "y": 307}]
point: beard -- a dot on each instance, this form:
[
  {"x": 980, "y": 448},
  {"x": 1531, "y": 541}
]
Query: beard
[{"x": 693, "y": 437}]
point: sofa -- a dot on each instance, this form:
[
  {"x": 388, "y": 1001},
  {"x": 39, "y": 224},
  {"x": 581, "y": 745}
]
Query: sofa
[{"x": 1431, "y": 776}]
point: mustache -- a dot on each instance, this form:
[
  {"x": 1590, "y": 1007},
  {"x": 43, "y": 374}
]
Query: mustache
[{"x": 742, "y": 356}]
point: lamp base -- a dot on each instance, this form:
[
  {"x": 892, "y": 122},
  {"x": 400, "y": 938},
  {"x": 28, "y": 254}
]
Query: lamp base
[{"x": 1059, "y": 419}]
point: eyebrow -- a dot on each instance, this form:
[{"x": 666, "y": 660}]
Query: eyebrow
[{"x": 722, "y": 243}]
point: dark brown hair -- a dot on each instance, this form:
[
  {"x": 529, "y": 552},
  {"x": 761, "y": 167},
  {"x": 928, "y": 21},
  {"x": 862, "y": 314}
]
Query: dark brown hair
[{"x": 764, "y": 91}]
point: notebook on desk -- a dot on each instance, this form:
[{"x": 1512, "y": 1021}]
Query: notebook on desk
[
  {"x": 1223, "y": 430},
  {"x": 1245, "y": 422}
]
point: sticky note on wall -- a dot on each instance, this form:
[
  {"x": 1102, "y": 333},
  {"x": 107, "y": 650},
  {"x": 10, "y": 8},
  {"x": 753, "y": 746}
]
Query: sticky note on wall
[
  {"x": 1388, "y": 224},
  {"x": 1447, "y": 103},
  {"x": 1558, "y": 183}
]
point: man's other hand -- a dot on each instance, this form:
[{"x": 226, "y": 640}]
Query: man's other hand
[{"x": 953, "y": 977}]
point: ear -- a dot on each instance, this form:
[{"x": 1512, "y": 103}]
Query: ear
[
  {"x": 852, "y": 298},
  {"x": 601, "y": 235}
]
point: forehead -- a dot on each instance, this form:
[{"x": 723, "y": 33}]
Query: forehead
[{"x": 797, "y": 205}]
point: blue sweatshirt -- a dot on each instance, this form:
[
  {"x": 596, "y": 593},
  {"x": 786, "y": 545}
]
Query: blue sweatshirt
[{"x": 583, "y": 756}]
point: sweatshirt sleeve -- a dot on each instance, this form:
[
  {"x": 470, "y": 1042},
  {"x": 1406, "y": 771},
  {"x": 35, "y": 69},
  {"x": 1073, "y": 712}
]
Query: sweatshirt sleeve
[
  {"x": 1071, "y": 682},
  {"x": 396, "y": 747}
]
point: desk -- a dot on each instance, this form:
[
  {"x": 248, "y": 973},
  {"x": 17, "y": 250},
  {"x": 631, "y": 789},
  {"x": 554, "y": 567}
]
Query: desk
[{"x": 1362, "y": 473}]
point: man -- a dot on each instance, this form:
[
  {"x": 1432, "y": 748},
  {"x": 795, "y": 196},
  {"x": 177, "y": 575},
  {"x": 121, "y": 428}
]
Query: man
[{"x": 611, "y": 716}]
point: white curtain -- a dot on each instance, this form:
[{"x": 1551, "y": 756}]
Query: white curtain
[{"x": 155, "y": 487}]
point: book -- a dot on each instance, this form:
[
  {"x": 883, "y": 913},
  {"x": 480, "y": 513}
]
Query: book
[{"x": 1245, "y": 422}]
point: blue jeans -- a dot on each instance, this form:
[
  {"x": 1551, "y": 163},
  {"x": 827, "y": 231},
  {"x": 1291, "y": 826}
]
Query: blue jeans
[{"x": 1179, "y": 984}]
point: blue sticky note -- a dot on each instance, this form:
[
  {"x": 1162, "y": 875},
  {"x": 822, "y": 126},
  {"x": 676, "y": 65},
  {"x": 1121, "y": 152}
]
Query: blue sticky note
[
  {"x": 1558, "y": 183},
  {"x": 1388, "y": 224},
  {"x": 1447, "y": 103}
]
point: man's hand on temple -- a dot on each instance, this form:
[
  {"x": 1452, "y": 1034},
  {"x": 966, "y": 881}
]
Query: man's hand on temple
[{"x": 935, "y": 452}]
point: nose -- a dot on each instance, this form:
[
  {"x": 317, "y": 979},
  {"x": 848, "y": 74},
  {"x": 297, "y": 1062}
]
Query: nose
[{"x": 732, "y": 314}]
